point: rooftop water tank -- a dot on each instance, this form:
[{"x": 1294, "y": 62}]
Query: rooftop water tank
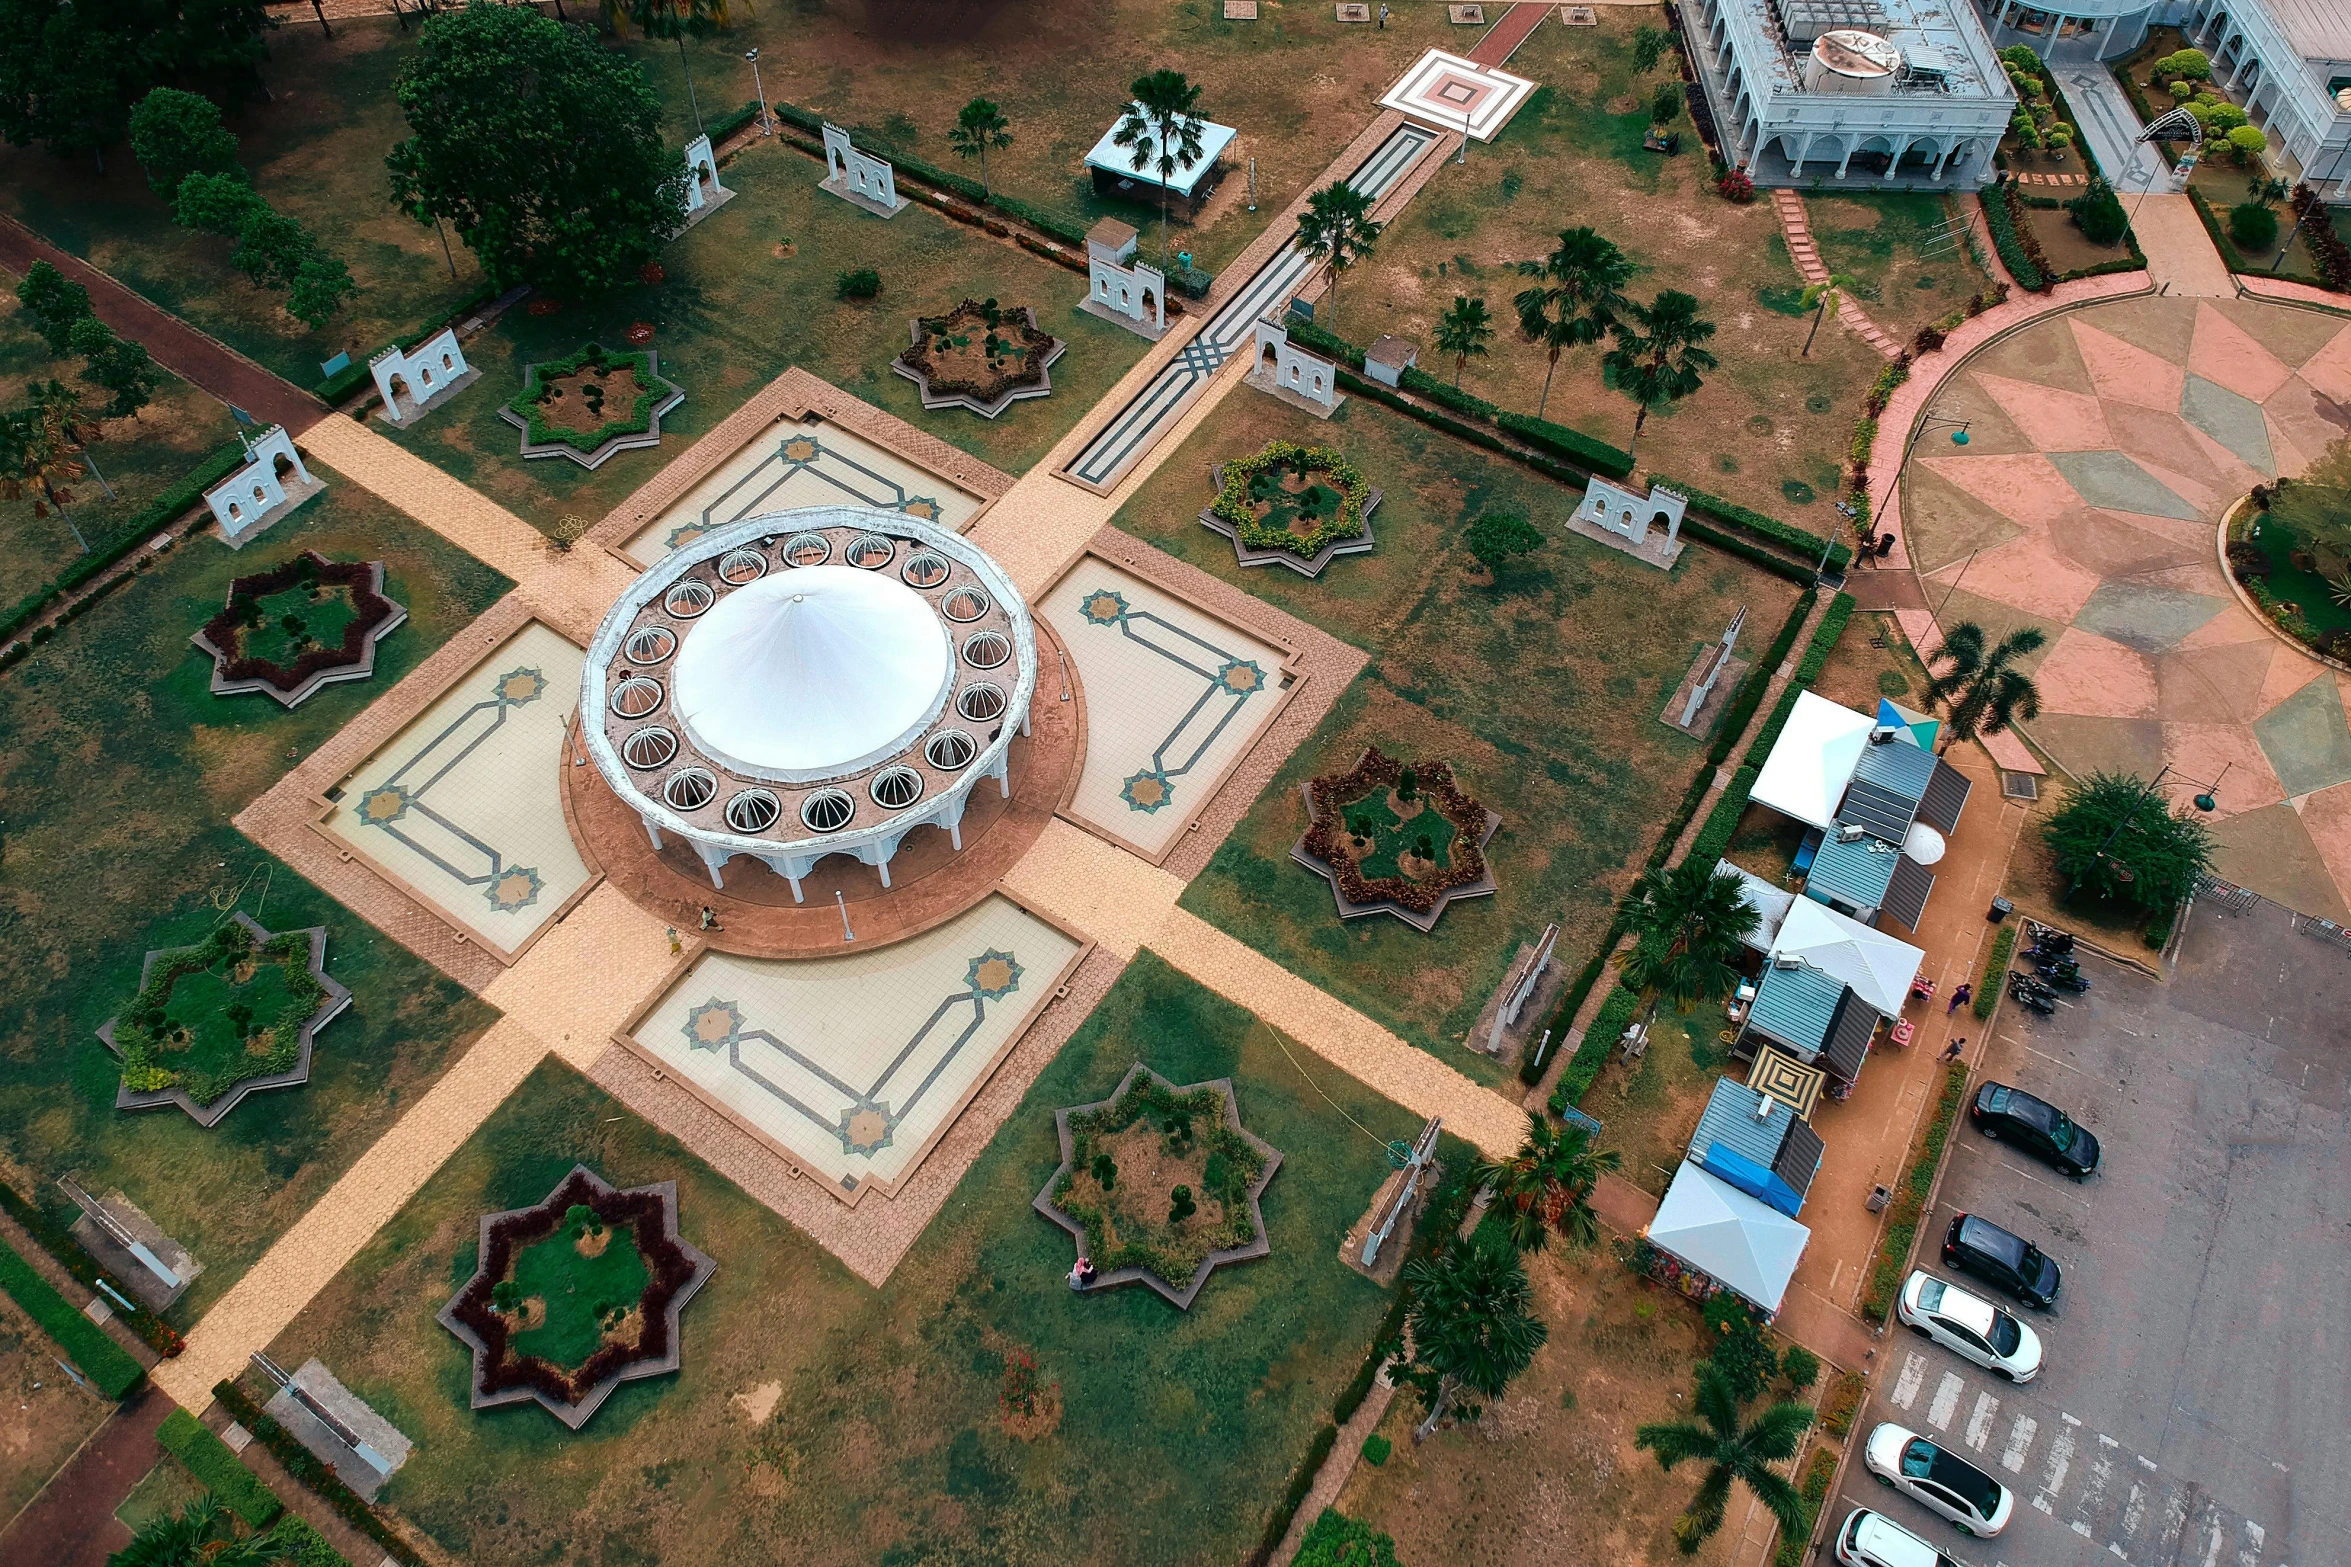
[{"x": 1851, "y": 61}]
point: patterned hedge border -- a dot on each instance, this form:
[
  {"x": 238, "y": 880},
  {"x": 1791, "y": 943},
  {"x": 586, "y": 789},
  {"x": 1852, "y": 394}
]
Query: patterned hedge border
[
  {"x": 1331, "y": 793},
  {"x": 376, "y": 616},
  {"x": 1232, "y": 502}
]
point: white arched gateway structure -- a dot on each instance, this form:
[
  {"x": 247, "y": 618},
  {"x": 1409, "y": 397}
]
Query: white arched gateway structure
[{"x": 811, "y": 682}]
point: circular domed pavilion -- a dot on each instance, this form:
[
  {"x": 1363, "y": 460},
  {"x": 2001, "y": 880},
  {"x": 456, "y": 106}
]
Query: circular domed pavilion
[{"x": 810, "y": 682}]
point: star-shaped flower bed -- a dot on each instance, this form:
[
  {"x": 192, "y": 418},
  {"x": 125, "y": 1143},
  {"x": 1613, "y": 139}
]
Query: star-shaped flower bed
[
  {"x": 1292, "y": 505},
  {"x": 979, "y": 357},
  {"x": 1160, "y": 1185},
  {"x": 307, "y": 623},
  {"x": 230, "y": 1016},
  {"x": 1398, "y": 839},
  {"x": 576, "y": 1295}
]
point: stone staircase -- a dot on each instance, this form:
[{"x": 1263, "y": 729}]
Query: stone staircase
[{"x": 1789, "y": 207}]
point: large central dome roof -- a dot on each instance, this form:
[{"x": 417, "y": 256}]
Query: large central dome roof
[{"x": 812, "y": 673}]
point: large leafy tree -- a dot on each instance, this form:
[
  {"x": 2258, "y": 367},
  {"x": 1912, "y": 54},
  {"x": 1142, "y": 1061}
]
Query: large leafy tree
[
  {"x": 55, "y": 303},
  {"x": 1983, "y": 690},
  {"x": 71, "y": 69},
  {"x": 1546, "y": 1187},
  {"x": 41, "y": 451},
  {"x": 1732, "y": 1453},
  {"x": 1464, "y": 331},
  {"x": 1161, "y": 132},
  {"x": 175, "y": 134},
  {"x": 1577, "y": 301},
  {"x": 980, "y": 125},
  {"x": 2115, "y": 837},
  {"x": 672, "y": 19},
  {"x": 1496, "y": 536},
  {"x": 1472, "y": 1320},
  {"x": 123, "y": 368},
  {"x": 1687, "y": 924},
  {"x": 1337, "y": 230},
  {"x": 541, "y": 148},
  {"x": 1659, "y": 352}
]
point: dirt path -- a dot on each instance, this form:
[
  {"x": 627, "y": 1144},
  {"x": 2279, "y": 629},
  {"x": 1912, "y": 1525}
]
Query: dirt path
[
  {"x": 194, "y": 357},
  {"x": 71, "y": 1523}
]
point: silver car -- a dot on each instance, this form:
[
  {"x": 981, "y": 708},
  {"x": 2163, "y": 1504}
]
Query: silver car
[{"x": 1970, "y": 1326}]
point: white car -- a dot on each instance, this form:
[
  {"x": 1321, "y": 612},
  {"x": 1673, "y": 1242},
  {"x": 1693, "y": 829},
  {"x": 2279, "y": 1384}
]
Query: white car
[
  {"x": 1970, "y": 1326},
  {"x": 1939, "y": 1480},
  {"x": 1874, "y": 1540}
]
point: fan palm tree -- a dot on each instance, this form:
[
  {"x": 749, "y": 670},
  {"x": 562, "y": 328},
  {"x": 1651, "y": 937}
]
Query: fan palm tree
[
  {"x": 41, "y": 451},
  {"x": 1820, "y": 299},
  {"x": 1161, "y": 132},
  {"x": 203, "y": 1533},
  {"x": 1687, "y": 924},
  {"x": 1547, "y": 1185},
  {"x": 1731, "y": 1452},
  {"x": 678, "y": 19},
  {"x": 1464, "y": 331},
  {"x": 1984, "y": 692},
  {"x": 1337, "y": 230},
  {"x": 1471, "y": 1319},
  {"x": 979, "y": 126},
  {"x": 1577, "y": 302},
  {"x": 1657, "y": 355}
]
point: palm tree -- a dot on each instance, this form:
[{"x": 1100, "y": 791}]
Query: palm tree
[
  {"x": 1656, "y": 359},
  {"x": 1576, "y": 304},
  {"x": 1547, "y": 1185},
  {"x": 1688, "y": 924},
  {"x": 678, "y": 19},
  {"x": 203, "y": 1533},
  {"x": 1985, "y": 694},
  {"x": 978, "y": 127},
  {"x": 1161, "y": 132},
  {"x": 40, "y": 450},
  {"x": 1820, "y": 299},
  {"x": 1336, "y": 229},
  {"x": 1464, "y": 331},
  {"x": 1730, "y": 1452},
  {"x": 1471, "y": 1319}
]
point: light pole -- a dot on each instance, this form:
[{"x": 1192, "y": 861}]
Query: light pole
[
  {"x": 2207, "y": 802},
  {"x": 1926, "y": 422},
  {"x": 766, "y": 124}
]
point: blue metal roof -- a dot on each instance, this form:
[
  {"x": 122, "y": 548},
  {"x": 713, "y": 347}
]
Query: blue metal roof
[
  {"x": 1730, "y": 1120},
  {"x": 1758, "y": 1182},
  {"x": 1795, "y": 1007},
  {"x": 1853, "y": 873},
  {"x": 1898, "y": 766}
]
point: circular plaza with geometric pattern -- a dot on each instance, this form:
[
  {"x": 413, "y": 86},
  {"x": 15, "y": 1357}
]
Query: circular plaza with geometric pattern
[{"x": 812, "y": 682}]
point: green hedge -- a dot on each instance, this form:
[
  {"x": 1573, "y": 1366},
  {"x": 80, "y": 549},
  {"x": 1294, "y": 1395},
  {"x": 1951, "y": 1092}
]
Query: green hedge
[
  {"x": 1733, "y": 722},
  {"x": 1824, "y": 642},
  {"x": 1819, "y": 1475},
  {"x": 1616, "y": 1015},
  {"x": 1987, "y": 990},
  {"x": 59, "y": 1243},
  {"x": 1310, "y": 335},
  {"x": 1421, "y": 384},
  {"x": 1336, "y": 1540},
  {"x": 305, "y": 1466},
  {"x": 1573, "y": 445},
  {"x": 1731, "y": 514},
  {"x": 1722, "y": 823},
  {"x": 303, "y": 1545},
  {"x": 208, "y": 1458},
  {"x": 1910, "y": 1197},
  {"x": 1530, "y": 1071},
  {"x": 1057, "y": 226},
  {"x": 2009, "y": 243},
  {"x": 355, "y": 375},
  {"x": 1277, "y": 1523},
  {"x": 727, "y": 124},
  {"x": 107, "y": 1364},
  {"x": 150, "y": 519}
]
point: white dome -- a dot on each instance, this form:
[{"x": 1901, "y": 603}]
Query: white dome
[
  {"x": 1923, "y": 844},
  {"x": 812, "y": 673}
]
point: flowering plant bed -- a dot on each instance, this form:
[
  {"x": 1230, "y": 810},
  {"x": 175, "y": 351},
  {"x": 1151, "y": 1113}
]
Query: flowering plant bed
[
  {"x": 1301, "y": 505},
  {"x": 302, "y": 625},
  {"x": 214, "y": 1022},
  {"x": 2291, "y": 553},
  {"x": 575, "y": 1295},
  {"x": 980, "y": 357},
  {"x": 1160, "y": 1184},
  {"x": 592, "y": 404},
  {"x": 1396, "y": 838}
]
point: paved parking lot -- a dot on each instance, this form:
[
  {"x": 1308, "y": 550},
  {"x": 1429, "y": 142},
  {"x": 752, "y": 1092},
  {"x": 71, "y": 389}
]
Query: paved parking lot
[{"x": 2197, "y": 1389}]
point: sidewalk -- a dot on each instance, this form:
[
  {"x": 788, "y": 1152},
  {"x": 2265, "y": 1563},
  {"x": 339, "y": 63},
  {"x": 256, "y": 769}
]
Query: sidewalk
[
  {"x": 2180, "y": 257},
  {"x": 71, "y": 1522},
  {"x": 2111, "y": 126}
]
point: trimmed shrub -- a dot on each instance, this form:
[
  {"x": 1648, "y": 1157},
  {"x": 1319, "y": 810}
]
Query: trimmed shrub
[
  {"x": 2098, "y": 213},
  {"x": 1811, "y": 1493},
  {"x": 2000, "y": 217},
  {"x": 107, "y": 1364},
  {"x": 2253, "y": 226},
  {"x": 1421, "y": 384},
  {"x": 1615, "y": 1016},
  {"x": 1731, "y": 514},
  {"x": 1910, "y": 1195},
  {"x": 1336, "y": 1540},
  {"x": 1573, "y": 445},
  {"x": 208, "y": 1458},
  {"x": 1376, "y": 1449},
  {"x": 1987, "y": 990},
  {"x": 863, "y": 283},
  {"x": 59, "y": 1243}
]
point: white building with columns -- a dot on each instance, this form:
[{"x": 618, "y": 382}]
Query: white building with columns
[
  {"x": 1852, "y": 94},
  {"x": 2287, "y": 61}
]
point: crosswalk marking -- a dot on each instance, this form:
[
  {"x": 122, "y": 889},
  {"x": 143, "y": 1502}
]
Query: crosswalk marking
[
  {"x": 2211, "y": 1521},
  {"x": 1979, "y": 1424},
  {"x": 2020, "y": 1441},
  {"x": 2134, "y": 1511},
  {"x": 1914, "y": 1372},
  {"x": 2175, "y": 1518},
  {"x": 1946, "y": 1402},
  {"x": 2060, "y": 1460}
]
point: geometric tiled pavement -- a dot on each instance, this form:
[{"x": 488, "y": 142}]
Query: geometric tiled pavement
[{"x": 2104, "y": 446}]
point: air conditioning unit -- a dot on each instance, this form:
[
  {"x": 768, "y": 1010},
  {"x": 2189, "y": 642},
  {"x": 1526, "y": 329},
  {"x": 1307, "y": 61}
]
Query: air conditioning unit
[
  {"x": 1883, "y": 734},
  {"x": 1849, "y": 833},
  {"x": 1764, "y": 1106},
  {"x": 1786, "y": 960}
]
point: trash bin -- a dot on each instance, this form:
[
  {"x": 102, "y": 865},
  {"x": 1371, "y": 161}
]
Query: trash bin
[
  {"x": 1879, "y": 1196},
  {"x": 2000, "y": 910}
]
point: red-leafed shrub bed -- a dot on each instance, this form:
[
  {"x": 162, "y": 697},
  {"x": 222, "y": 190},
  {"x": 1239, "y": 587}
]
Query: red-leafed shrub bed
[
  {"x": 244, "y": 622},
  {"x": 1370, "y": 829}
]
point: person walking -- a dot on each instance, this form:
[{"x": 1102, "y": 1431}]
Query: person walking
[
  {"x": 1383, "y": 17},
  {"x": 1954, "y": 1050},
  {"x": 1959, "y": 998}
]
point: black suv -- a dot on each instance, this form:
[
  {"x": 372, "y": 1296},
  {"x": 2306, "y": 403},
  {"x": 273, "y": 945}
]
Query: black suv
[
  {"x": 2004, "y": 1260},
  {"x": 2040, "y": 1128}
]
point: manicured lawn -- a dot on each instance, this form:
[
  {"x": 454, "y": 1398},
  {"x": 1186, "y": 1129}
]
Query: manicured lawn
[
  {"x": 576, "y": 1288},
  {"x": 1770, "y": 427},
  {"x": 118, "y": 783},
  {"x": 140, "y": 458},
  {"x": 1883, "y": 243},
  {"x": 751, "y": 291},
  {"x": 1543, "y": 693},
  {"x": 1426, "y": 835},
  {"x": 1157, "y": 1430},
  {"x": 211, "y": 1013}
]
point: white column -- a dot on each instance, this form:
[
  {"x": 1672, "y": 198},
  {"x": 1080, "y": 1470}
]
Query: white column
[{"x": 1803, "y": 150}]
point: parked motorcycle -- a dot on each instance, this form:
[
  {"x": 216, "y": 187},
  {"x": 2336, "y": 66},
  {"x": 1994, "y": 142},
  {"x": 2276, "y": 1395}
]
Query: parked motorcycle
[
  {"x": 2050, "y": 937},
  {"x": 2063, "y": 980},
  {"x": 2033, "y": 1000}
]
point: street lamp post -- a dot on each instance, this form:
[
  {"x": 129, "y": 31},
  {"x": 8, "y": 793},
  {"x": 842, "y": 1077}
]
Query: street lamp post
[
  {"x": 766, "y": 121},
  {"x": 2207, "y": 802},
  {"x": 1958, "y": 428}
]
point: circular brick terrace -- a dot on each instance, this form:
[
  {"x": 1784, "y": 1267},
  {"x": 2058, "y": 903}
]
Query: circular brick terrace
[{"x": 932, "y": 883}]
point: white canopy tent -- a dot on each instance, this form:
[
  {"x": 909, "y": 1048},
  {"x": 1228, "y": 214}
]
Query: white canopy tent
[
  {"x": 1873, "y": 965},
  {"x": 1813, "y": 760},
  {"x": 1712, "y": 1226}
]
